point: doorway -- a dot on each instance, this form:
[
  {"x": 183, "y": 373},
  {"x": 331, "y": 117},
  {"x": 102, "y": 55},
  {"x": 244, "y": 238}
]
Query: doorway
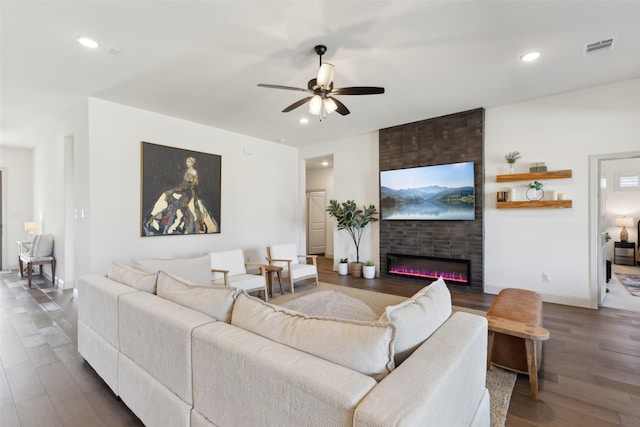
[
  {"x": 602, "y": 220},
  {"x": 316, "y": 222},
  {"x": 319, "y": 190}
]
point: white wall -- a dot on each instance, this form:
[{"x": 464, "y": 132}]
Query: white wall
[
  {"x": 322, "y": 179},
  {"x": 355, "y": 171},
  {"x": 563, "y": 131},
  {"x": 260, "y": 205},
  {"x": 17, "y": 200}
]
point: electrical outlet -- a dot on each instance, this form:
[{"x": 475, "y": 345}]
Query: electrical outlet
[{"x": 545, "y": 277}]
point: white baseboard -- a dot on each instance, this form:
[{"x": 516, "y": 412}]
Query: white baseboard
[{"x": 552, "y": 298}]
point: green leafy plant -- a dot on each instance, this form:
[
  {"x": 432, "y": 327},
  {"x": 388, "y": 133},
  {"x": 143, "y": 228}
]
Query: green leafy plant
[
  {"x": 344, "y": 260},
  {"x": 369, "y": 263},
  {"x": 353, "y": 219},
  {"x": 536, "y": 184},
  {"x": 607, "y": 237}
]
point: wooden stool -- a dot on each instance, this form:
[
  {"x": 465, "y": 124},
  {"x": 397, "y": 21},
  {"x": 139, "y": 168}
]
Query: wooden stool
[{"x": 516, "y": 333}]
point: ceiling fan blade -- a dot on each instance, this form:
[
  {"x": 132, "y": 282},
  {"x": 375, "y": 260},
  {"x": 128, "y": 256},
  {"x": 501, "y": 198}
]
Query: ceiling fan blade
[
  {"x": 297, "y": 104},
  {"x": 358, "y": 90},
  {"x": 299, "y": 89},
  {"x": 342, "y": 109}
]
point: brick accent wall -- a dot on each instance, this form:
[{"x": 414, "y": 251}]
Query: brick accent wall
[{"x": 454, "y": 138}]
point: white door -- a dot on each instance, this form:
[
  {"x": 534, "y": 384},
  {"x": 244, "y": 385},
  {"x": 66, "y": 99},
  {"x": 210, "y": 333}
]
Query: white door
[{"x": 316, "y": 222}]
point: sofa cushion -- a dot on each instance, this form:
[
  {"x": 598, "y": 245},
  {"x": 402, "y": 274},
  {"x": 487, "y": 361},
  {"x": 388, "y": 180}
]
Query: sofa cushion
[
  {"x": 366, "y": 347},
  {"x": 214, "y": 301},
  {"x": 140, "y": 280},
  {"x": 196, "y": 270},
  {"x": 418, "y": 317}
]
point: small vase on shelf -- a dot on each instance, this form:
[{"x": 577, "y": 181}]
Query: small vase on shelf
[{"x": 511, "y": 159}]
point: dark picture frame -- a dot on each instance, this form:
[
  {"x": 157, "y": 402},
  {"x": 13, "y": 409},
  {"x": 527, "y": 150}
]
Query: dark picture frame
[{"x": 180, "y": 191}]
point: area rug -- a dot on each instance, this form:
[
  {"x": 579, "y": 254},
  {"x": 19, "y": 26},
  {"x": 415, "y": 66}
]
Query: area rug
[
  {"x": 317, "y": 301},
  {"x": 631, "y": 282}
]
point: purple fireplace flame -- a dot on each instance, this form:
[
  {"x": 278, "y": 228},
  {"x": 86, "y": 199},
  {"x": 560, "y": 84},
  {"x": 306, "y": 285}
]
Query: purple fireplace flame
[{"x": 454, "y": 270}]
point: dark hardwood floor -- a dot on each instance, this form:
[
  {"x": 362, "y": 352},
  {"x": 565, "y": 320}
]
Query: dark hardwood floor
[{"x": 590, "y": 372}]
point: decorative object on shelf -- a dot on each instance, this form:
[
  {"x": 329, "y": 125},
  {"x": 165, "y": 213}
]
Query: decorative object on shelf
[
  {"x": 511, "y": 159},
  {"x": 503, "y": 196},
  {"x": 554, "y": 195},
  {"x": 562, "y": 196},
  {"x": 369, "y": 270},
  {"x": 512, "y": 194},
  {"x": 538, "y": 167},
  {"x": 624, "y": 221},
  {"x": 535, "y": 191},
  {"x": 353, "y": 219},
  {"x": 343, "y": 266}
]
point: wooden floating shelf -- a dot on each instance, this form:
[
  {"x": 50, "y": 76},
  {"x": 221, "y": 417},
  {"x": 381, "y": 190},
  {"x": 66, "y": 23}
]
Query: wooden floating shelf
[
  {"x": 545, "y": 204},
  {"x": 534, "y": 176}
]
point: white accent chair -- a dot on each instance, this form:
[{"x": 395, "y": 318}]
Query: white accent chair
[
  {"x": 40, "y": 253},
  {"x": 228, "y": 268},
  {"x": 286, "y": 256}
]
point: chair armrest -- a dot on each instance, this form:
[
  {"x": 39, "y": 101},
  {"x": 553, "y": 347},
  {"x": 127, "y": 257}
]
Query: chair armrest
[
  {"x": 225, "y": 272},
  {"x": 256, "y": 264},
  {"x": 288, "y": 261}
]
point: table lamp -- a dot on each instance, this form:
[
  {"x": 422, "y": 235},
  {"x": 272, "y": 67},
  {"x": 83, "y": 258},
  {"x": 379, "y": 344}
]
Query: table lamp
[
  {"x": 30, "y": 227},
  {"x": 624, "y": 221}
]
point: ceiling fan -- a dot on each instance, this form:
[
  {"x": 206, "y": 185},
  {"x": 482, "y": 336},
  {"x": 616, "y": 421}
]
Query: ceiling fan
[{"x": 321, "y": 88}]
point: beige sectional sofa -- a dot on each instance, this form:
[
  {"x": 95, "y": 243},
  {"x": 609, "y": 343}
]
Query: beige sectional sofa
[{"x": 179, "y": 354}]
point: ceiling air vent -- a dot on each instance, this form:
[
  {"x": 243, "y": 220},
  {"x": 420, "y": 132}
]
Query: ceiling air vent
[{"x": 599, "y": 46}]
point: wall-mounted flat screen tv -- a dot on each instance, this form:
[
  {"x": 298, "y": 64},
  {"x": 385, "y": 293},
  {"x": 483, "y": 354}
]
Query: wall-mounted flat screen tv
[{"x": 440, "y": 192}]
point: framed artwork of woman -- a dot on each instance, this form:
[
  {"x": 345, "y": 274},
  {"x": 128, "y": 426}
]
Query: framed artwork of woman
[{"x": 180, "y": 191}]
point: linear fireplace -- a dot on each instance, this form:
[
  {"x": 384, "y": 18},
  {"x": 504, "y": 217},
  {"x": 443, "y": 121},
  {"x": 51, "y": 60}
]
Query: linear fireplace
[{"x": 453, "y": 270}]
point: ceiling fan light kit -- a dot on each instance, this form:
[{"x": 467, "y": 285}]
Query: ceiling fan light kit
[{"x": 320, "y": 89}]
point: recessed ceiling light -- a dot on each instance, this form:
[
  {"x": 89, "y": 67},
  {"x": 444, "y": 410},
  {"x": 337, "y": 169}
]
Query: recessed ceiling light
[
  {"x": 304, "y": 120},
  {"x": 325, "y": 163},
  {"x": 531, "y": 56},
  {"x": 87, "y": 42}
]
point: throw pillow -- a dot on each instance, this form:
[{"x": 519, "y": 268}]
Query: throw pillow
[
  {"x": 196, "y": 270},
  {"x": 214, "y": 301},
  {"x": 141, "y": 280},
  {"x": 366, "y": 347},
  {"x": 418, "y": 317}
]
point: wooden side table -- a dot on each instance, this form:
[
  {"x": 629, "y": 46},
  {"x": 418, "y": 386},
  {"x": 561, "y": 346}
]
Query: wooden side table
[{"x": 269, "y": 269}]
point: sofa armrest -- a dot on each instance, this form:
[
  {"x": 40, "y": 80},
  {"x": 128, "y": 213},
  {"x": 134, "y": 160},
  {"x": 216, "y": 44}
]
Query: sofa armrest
[
  {"x": 309, "y": 257},
  {"x": 440, "y": 384}
]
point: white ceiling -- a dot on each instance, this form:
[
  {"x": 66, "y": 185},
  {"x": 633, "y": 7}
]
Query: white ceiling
[{"x": 201, "y": 60}]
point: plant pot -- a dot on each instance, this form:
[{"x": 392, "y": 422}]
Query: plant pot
[
  {"x": 343, "y": 268},
  {"x": 369, "y": 271},
  {"x": 355, "y": 268}
]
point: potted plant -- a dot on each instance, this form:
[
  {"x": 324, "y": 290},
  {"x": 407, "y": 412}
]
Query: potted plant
[
  {"x": 353, "y": 219},
  {"x": 369, "y": 270},
  {"x": 343, "y": 266},
  {"x": 535, "y": 191}
]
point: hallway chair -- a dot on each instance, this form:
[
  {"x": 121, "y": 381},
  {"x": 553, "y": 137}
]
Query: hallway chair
[{"x": 40, "y": 253}]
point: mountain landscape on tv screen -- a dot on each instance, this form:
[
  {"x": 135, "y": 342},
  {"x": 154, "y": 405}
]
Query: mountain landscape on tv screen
[{"x": 431, "y": 202}]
